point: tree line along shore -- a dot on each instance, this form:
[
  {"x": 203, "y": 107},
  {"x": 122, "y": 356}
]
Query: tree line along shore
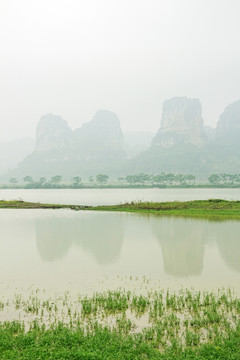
[{"x": 142, "y": 180}]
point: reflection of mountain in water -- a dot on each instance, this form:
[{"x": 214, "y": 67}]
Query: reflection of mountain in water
[
  {"x": 101, "y": 235},
  {"x": 53, "y": 240},
  {"x": 181, "y": 241},
  {"x": 228, "y": 240}
]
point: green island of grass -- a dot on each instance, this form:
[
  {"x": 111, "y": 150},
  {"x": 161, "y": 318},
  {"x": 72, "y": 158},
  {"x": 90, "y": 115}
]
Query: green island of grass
[
  {"x": 120, "y": 325},
  {"x": 198, "y": 208}
]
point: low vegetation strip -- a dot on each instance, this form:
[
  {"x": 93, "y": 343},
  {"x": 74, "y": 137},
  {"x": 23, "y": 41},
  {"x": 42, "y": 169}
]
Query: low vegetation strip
[
  {"x": 19, "y": 204},
  {"x": 121, "y": 325},
  {"x": 102, "y": 344},
  {"x": 211, "y": 207},
  {"x": 199, "y": 208}
]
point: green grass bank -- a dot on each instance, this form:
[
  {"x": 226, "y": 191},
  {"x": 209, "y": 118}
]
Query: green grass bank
[{"x": 198, "y": 208}]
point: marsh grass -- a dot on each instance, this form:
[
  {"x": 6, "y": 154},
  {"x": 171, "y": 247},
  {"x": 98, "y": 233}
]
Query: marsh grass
[
  {"x": 213, "y": 209},
  {"x": 121, "y": 325}
]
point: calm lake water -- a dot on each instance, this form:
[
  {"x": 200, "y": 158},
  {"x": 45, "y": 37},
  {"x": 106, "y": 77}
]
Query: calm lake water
[
  {"x": 116, "y": 196},
  {"x": 86, "y": 251}
]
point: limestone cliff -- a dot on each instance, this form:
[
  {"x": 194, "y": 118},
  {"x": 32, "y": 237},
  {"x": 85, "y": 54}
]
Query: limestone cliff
[
  {"x": 95, "y": 147},
  {"x": 228, "y": 127},
  {"x": 182, "y": 145},
  {"x": 181, "y": 123},
  {"x": 100, "y": 136},
  {"x": 52, "y": 133}
]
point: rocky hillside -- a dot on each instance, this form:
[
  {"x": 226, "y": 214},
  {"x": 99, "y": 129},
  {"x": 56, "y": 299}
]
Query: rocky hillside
[
  {"x": 95, "y": 147},
  {"x": 182, "y": 145},
  {"x": 137, "y": 142},
  {"x": 100, "y": 138},
  {"x": 53, "y": 133},
  {"x": 228, "y": 127},
  {"x": 181, "y": 123}
]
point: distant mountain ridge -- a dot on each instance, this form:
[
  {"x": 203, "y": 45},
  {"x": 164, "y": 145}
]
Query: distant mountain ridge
[
  {"x": 182, "y": 144},
  {"x": 95, "y": 147}
]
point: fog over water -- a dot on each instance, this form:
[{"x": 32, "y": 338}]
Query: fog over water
[{"x": 74, "y": 57}]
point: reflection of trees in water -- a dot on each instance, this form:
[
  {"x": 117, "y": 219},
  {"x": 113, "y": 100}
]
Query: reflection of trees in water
[
  {"x": 101, "y": 235},
  {"x": 228, "y": 240},
  {"x": 181, "y": 241}
]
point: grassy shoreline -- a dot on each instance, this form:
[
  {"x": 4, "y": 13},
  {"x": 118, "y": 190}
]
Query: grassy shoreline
[{"x": 197, "y": 208}]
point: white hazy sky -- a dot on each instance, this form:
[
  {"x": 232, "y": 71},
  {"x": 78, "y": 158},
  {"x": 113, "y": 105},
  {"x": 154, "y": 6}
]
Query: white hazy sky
[{"x": 72, "y": 57}]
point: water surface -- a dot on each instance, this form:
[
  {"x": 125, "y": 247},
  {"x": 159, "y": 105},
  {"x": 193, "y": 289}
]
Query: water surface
[
  {"x": 64, "y": 249},
  {"x": 115, "y": 196}
]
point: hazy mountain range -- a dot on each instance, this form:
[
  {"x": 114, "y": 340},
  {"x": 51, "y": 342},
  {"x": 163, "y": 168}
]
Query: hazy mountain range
[{"x": 182, "y": 144}]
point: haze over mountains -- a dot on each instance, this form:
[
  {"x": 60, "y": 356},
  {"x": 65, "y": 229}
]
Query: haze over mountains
[
  {"x": 12, "y": 152},
  {"x": 182, "y": 144}
]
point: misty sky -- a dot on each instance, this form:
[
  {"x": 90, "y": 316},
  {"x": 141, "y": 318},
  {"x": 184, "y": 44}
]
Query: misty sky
[{"x": 72, "y": 57}]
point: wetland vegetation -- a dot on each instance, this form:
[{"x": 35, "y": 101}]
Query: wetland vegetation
[
  {"x": 199, "y": 208},
  {"x": 122, "y": 325}
]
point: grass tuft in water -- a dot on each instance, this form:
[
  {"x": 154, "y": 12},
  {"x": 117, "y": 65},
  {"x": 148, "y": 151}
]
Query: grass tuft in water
[{"x": 123, "y": 325}]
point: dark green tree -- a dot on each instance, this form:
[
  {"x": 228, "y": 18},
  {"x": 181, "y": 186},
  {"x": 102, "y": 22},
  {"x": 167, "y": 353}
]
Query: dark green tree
[
  {"x": 28, "y": 179},
  {"x": 132, "y": 179},
  {"x": 56, "y": 179},
  {"x": 143, "y": 178},
  {"x": 102, "y": 178},
  {"x": 214, "y": 179},
  {"x": 76, "y": 180},
  {"x": 42, "y": 180},
  {"x": 13, "y": 181}
]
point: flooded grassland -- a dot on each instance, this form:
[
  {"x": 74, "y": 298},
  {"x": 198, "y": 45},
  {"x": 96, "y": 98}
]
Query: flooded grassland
[{"x": 116, "y": 285}]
